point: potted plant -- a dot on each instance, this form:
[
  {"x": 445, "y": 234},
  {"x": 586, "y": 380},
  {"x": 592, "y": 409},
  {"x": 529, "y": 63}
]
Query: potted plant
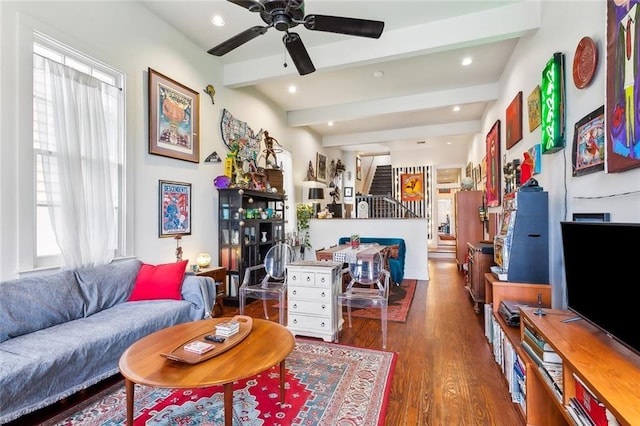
[{"x": 304, "y": 212}]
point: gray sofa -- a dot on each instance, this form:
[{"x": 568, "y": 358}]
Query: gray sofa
[{"x": 63, "y": 332}]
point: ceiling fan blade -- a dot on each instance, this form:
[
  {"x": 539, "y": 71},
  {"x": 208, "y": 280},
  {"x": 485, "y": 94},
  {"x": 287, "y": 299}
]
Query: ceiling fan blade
[
  {"x": 237, "y": 40},
  {"x": 251, "y": 5},
  {"x": 298, "y": 53},
  {"x": 341, "y": 25}
]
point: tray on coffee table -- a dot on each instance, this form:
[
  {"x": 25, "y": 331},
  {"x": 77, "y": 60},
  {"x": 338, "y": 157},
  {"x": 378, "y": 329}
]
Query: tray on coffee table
[{"x": 181, "y": 355}]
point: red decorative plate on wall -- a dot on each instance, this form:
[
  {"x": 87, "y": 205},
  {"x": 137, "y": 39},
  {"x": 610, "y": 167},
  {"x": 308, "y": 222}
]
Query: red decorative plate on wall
[{"x": 585, "y": 62}]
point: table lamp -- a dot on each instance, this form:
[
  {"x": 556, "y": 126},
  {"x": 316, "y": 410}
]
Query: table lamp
[
  {"x": 316, "y": 195},
  {"x": 203, "y": 260}
]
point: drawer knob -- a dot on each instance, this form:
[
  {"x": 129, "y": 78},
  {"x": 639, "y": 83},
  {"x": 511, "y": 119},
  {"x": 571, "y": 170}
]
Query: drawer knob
[
  {"x": 322, "y": 279},
  {"x": 295, "y": 321},
  {"x": 295, "y": 306},
  {"x": 293, "y": 278},
  {"x": 322, "y": 324},
  {"x": 308, "y": 279},
  {"x": 323, "y": 294},
  {"x": 294, "y": 292},
  {"x": 324, "y": 306}
]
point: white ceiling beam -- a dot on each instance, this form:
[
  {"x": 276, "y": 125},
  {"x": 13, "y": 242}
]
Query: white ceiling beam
[
  {"x": 421, "y": 132},
  {"x": 356, "y": 110}
]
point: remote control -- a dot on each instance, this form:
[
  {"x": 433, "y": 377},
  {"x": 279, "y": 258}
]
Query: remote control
[{"x": 213, "y": 338}]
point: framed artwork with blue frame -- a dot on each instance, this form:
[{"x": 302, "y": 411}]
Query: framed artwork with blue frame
[{"x": 175, "y": 208}]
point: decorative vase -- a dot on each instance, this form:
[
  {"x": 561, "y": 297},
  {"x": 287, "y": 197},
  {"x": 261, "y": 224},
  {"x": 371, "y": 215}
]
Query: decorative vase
[{"x": 264, "y": 237}]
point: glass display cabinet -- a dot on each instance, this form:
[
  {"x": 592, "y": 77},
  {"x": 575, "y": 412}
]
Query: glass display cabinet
[{"x": 249, "y": 223}]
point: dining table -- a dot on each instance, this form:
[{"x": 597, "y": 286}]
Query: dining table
[{"x": 345, "y": 252}]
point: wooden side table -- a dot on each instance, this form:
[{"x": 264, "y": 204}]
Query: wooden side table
[{"x": 219, "y": 275}]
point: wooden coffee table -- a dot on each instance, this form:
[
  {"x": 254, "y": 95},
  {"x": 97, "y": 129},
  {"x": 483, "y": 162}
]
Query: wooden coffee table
[{"x": 268, "y": 344}]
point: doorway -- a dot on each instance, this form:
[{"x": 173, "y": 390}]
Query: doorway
[{"x": 447, "y": 184}]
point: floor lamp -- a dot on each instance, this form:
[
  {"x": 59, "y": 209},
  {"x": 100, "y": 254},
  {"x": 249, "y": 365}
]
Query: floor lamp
[{"x": 316, "y": 195}]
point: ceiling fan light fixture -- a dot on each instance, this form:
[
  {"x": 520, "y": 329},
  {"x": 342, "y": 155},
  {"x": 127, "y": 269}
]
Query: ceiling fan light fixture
[
  {"x": 283, "y": 15},
  {"x": 281, "y": 22}
]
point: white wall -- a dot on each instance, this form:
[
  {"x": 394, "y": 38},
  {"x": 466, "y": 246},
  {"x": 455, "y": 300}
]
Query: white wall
[
  {"x": 125, "y": 35},
  {"x": 564, "y": 23}
]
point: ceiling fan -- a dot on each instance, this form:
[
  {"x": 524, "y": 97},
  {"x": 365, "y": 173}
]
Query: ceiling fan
[{"x": 286, "y": 14}]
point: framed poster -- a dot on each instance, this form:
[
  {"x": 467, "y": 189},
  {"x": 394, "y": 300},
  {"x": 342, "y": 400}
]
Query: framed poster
[
  {"x": 514, "y": 121},
  {"x": 321, "y": 167},
  {"x": 622, "y": 90},
  {"x": 348, "y": 191},
  {"x": 174, "y": 208},
  {"x": 412, "y": 188},
  {"x": 533, "y": 108},
  {"x": 358, "y": 168},
  {"x": 174, "y": 111},
  {"x": 493, "y": 165},
  {"x": 588, "y": 144}
]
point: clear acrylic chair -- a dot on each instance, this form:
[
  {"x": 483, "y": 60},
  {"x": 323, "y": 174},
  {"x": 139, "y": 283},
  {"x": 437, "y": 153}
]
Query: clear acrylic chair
[
  {"x": 368, "y": 287},
  {"x": 273, "y": 285}
]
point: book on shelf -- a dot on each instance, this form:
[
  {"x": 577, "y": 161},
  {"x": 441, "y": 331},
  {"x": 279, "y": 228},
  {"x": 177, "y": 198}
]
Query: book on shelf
[
  {"x": 198, "y": 347},
  {"x": 555, "y": 387},
  {"x": 528, "y": 330},
  {"x": 545, "y": 355},
  {"x": 592, "y": 407},
  {"x": 577, "y": 414},
  {"x": 551, "y": 371}
]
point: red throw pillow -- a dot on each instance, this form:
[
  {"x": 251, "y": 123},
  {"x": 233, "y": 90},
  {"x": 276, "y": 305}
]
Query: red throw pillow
[
  {"x": 159, "y": 281},
  {"x": 394, "y": 251}
]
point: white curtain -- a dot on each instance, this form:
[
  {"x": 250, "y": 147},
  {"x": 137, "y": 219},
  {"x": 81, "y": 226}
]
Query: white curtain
[{"x": 82, "y": 165}]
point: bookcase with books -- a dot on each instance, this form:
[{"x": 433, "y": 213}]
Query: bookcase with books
[
  {"x": 598, "y": 384},
  {"x": 506, "y": 340}
]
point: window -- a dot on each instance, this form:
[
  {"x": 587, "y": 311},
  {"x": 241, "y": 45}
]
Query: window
[{"x": 47, "y": 159}]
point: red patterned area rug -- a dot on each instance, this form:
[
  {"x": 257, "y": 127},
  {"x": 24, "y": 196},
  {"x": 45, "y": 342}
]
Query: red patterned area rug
[
  {"x": 400, "y": 298},
  {"x": 326, "y": 384}
]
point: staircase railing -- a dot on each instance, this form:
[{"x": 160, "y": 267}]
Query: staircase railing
[{"x": 382, "y": 206}]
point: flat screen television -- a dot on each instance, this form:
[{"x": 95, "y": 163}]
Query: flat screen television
[{"x": 602, "y": 278}]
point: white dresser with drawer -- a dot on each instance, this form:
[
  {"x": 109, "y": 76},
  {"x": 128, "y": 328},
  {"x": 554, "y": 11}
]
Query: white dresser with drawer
[{"x": 311, "y": 306}]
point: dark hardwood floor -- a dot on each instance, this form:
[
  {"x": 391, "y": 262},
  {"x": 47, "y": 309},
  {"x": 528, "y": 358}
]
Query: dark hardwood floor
[{"x": 445, "y": 373}]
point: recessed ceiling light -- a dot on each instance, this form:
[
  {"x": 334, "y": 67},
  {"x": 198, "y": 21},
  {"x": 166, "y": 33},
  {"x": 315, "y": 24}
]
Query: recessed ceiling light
[
  {"x": 217, "y": 20},
  {"x": 456, "y": 108},
  {"x": 378, "y": 74},
  {"x": 330, "y": 123},
  {"x": 467, "y": 61},
  {"x": 293, "y": 89},
  {"x": 448, "y": 142}
]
